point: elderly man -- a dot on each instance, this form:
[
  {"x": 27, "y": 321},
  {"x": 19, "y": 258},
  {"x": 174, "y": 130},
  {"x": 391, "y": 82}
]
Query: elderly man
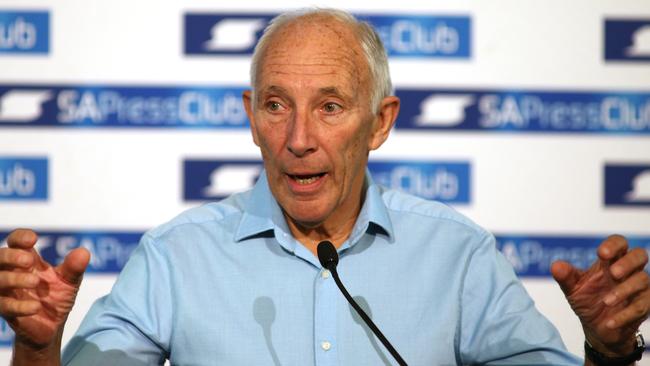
[{"x": 238, "y": 282}]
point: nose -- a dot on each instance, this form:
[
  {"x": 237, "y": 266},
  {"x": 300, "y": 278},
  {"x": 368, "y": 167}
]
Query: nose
[{"x": 300, "y": 134}]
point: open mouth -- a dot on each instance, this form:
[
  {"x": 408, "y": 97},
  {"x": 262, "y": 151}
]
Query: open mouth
[{"x": 304, "y": 179}]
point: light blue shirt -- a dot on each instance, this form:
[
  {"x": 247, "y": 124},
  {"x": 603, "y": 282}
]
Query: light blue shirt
[{"x": 227, "y": 284}]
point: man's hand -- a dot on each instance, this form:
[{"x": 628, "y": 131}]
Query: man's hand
[
  {"x": 36, "y": 298},
  {"x": 611, "y": 298}
]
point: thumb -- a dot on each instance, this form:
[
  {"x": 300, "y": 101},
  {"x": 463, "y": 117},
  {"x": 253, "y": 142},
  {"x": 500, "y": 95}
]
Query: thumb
[
  {"x": 74, "y": 265},
  {"x": 566, "y": 275}
]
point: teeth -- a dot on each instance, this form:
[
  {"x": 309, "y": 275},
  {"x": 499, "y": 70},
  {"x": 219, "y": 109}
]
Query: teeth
[{"x": 306, "y": 180}]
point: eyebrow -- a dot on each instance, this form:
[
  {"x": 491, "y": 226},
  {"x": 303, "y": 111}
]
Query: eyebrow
[
  {"x": 332, "y": 90},
  {"x": 274, "y": 89},
  {"x": 328, "y": 90}
]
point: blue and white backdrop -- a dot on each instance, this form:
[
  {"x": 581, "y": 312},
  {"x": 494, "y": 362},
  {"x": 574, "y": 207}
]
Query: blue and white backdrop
[{"x": 531, "y": 118}]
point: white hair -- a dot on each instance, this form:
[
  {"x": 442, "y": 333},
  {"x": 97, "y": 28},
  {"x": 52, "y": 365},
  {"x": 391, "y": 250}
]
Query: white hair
[{"x": 368, "y": 38}]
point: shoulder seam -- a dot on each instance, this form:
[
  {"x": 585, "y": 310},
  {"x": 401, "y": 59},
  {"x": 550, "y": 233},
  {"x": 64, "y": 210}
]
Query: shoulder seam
[
  {"x": 170, "y": 225},
  {"x": 476, "y": 228}
]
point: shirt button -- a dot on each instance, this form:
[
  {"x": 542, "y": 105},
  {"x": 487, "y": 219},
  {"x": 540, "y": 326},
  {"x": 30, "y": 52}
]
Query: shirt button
[
  {"x": 325, "y": 345},
  {"x": 325, "y": 274}
]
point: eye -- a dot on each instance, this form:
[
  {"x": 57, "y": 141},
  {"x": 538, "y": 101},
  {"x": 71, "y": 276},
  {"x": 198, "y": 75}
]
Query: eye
[
  {"x": 273, "y": 106},
  {"x": 332, "y": 108}
]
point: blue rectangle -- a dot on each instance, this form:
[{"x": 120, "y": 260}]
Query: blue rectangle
[
  {"x": 90, "y": 106},
  {"x": 532, "y": 255},
  {"x": 627, "y": 185},
  {"x": 210, "y": 180},
  {"x": 109, "y": 250},
  {"x": 23, "y": 178},
  {"x": 407, "y": 35},
  {"x": 524, "y": 111},
  {"x": 627, "y": 40},
  {"x": 423, "y": 35},
  {"x": 24, "y": 32},
  {"x": 434, "y": 180}
]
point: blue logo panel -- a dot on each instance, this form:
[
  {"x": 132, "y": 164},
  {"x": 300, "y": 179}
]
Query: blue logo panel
[
  {"x": 211, "y": 180},
  {"x": 434, "y": 180},
  {"x": 23, "y": 178},
  {"x": 627, "y": 40},
  {"x": 444, "y": 181},
  {"x": 403, "y": 36},
  {"x": 627, "y": 185},
  {"x": 524, "y": 111},
  {"x": 532, "y": 256},
  {"x": 24, "y": 32},
  {"x": 423, "y": 36},
  {"x": 122, "y": 106}
]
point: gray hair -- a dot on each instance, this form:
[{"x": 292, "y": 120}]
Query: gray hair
[{"x": 368, "y": 38}]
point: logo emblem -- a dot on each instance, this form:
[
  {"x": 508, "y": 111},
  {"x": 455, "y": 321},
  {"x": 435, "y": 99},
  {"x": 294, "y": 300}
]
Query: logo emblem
[
  {"x": 231, "y": 178},
  {"x": 234, "y": 34},
  {"x": 22, "y": 105},
  {"x": 443, "y": 110},
  {"x": 640, "y": 43},
  {"x": 640, "y": 188}
]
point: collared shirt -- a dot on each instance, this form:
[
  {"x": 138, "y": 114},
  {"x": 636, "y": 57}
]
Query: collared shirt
[{"x": 227, "y": 284}]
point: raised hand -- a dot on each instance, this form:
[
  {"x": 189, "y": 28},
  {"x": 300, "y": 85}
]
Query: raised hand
[
  {"x": 35, "y": 297},
  {"x": 611, "y": 298}
]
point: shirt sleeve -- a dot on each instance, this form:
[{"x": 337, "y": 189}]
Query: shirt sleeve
[
  {"x": 132, "y": 325},
  {"x": 499, "y": 321}
]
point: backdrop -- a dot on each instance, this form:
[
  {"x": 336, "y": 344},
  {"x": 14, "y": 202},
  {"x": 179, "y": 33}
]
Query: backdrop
[{"x": 532, "y": 118}]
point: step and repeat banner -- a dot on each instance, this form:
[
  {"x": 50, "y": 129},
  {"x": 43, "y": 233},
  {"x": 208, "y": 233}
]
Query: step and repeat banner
[{"x": 531, "y": 119}]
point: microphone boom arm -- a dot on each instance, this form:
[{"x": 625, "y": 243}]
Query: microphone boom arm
[{"x": 367, "y": 319}]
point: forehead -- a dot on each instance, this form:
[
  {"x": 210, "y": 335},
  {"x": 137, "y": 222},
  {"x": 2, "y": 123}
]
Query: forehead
[{"x": 314, "y": 49}]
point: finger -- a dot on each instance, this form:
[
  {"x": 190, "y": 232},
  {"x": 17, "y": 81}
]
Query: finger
[
  {"x": 566, "y": 275},
  {"x": 74, "y": 265},
  {"x": 11, "y": 280},
  {"x": 10, "y": 307},
  {"x": 612, "y": 247},
  {"x": 632, "y": 286},
  {"x": 633, "y": 261},
  {"x": 15, "y": 258},
  {"x": 22, "y": 238},
  {"x": 635, "y": 312}
]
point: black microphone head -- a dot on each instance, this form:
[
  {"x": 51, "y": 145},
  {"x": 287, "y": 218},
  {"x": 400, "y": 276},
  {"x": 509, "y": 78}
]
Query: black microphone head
[{"x": 327, "y": 255}]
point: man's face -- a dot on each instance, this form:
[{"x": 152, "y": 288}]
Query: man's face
[{"x": 312, "y": 120}]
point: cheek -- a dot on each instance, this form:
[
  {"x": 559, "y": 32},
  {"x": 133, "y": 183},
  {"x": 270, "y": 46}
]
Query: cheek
[
  {"x": 270, "y": 140},
  {"x": 354, "y": 154}
]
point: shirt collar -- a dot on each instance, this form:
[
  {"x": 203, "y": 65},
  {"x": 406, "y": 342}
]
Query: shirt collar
[{"x": 263, "y": 213}]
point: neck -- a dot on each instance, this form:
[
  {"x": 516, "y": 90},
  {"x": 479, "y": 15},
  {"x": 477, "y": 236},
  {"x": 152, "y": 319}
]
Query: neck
[
  {"x": 336, "y": 228},
  {"x": 309, "y": 236}
]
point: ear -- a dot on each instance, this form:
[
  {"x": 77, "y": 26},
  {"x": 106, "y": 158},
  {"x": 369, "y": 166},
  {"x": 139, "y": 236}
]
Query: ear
[
  {"x": 247, "y": 99},
  {"x": 384, "y": 121}
]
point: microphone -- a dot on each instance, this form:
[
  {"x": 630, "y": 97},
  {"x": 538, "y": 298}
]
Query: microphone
[{"x": 329, "y": 259}]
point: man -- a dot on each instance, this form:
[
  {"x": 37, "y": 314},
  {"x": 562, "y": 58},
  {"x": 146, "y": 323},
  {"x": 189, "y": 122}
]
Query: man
[{"x": 238, "y": 282}]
